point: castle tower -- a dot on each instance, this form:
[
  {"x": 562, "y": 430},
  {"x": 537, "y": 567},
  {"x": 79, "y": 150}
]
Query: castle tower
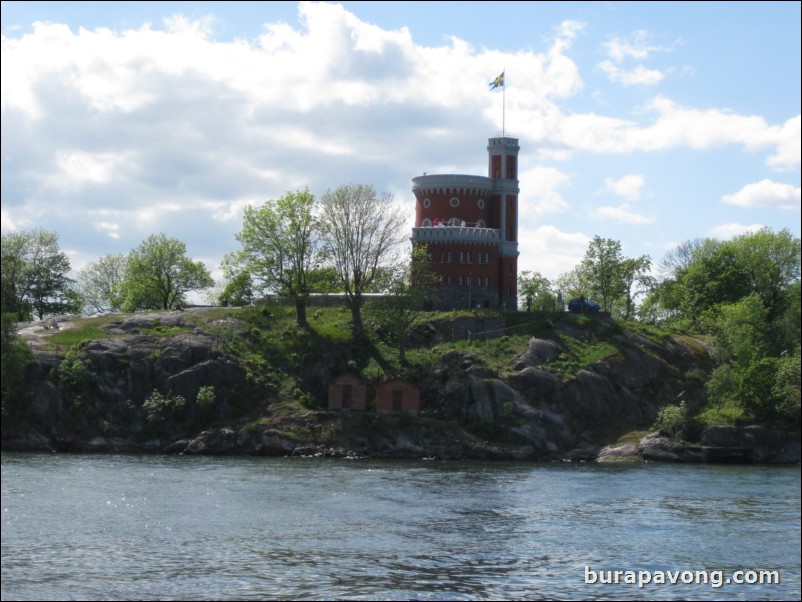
[
  {"x": 503, "y": 169},
  {"x": 470, "y": 226}
]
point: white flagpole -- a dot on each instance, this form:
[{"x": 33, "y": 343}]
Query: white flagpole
[{"x": 504, "y": 103}]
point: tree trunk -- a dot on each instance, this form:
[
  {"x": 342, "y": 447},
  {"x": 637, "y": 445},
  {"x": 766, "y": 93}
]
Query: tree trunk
[
  {"x": 300, "y": 313},
  {"x": 356, "y": 318}
]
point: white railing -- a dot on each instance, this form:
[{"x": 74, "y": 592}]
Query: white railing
[{"x": 455, "y": 233}]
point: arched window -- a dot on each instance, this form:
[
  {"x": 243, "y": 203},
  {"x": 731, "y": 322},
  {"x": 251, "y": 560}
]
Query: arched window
[
  {"x": 480, "y": 223},
  {"x": 427, "y": 223}
]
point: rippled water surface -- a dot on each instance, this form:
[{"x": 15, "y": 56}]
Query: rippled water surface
[{"x": 152, "y": 527}]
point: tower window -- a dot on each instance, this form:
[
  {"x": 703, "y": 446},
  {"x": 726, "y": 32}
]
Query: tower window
[
  {"x": 454, "y": 202},
  {"x": 511, "y": 168},
  {"x": 427, "y": 203},
  {"x": 495, "y": 168},
  {"x": 480, "y": 203}
]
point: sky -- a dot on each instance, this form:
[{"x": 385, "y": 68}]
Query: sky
[{"x": 649, "y": 123}]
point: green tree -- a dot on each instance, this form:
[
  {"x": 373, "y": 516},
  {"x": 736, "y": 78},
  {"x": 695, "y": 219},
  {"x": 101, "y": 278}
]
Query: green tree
[
  {"x": 410, "y": 287},
  {"x": 787, "y": 388},
  {"x": 238, "y": 292},
  {"x": 676, "y": 261},
  {"x": 535, "y": 292},
  {"x": 13, "y": 363},
  {"x": 280, "y": 247},
  {"x": 99, "y": 284},
  {"x": 159, "y": 274},
  {"x": 703, "y": 274},
  {"x": 324, "y": 280},
  {"x": 573, "y": 284},
  {"x": 715, "y": 277},
  {"x": 663, "y": 303},
  {"x": 787, "y": 328},
  {"x": 757, "y": 393},
  {"x": 724, "y": 385},
  {"x": 34, "y": 275},
  {"x": 770, "y": 262},
  {"x": 636, "y": 281},
  {"x": 362, "y": 232},
  {"x": 740, "y": 330},
  {"x": 602, "y": 267}
]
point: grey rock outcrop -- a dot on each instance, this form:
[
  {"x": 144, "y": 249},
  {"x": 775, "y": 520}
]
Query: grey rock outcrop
[{"x": 531, "y": 409}]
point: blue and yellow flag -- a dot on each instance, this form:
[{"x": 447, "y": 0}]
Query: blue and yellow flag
[{"x": 498, "y": 82}]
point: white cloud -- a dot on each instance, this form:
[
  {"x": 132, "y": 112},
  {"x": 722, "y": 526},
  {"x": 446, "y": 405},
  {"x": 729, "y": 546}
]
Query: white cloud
[
  {"x": 789, "y": 143},
  {"x": 628, "y": 187},
  {"x": 640, "y": 75},
  {"x": 733, "y": 229},
  {"x": 674, "y": 127},
  {"x": 78, "y": 167},
  {"x": 639, "y": 47},
  {"x": 10, "y": 223},
  {"x": 766, "y": 193},
  {"x": 126, "y": 133},
  {"x": 622, "y": 213},
  {"x": 550, "y": 251},
  {"x": 110, "y": 228},
  {"x": 539, "y": 192}
]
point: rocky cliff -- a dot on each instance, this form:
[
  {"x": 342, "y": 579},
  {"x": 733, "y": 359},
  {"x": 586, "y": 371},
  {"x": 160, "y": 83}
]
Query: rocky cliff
[{"x": 164, "y": 383}]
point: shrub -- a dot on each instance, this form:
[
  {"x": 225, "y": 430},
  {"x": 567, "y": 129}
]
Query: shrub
[
  {"x": 160, "y": 407},
  {"x": 672, "y": 420},
  {"x": 75, "y": 374},
  {"x": 205, "y": 398}
]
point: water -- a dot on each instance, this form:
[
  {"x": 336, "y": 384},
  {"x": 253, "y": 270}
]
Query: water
[{"x": 153, "y": 527}]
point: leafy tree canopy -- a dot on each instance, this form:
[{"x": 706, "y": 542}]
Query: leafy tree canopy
[
  {"x": 34, "y": 276},
  {"x": 280, "y": 247},
  {"x": 159, "y": 274},
  {"x": 362, "y": 231},
  {"x": 99, "y": 284}
]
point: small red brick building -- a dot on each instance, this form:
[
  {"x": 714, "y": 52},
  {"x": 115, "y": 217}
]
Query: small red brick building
[
  {"x": 348, "y": 392},
  {"x": 397, "y": 396}
]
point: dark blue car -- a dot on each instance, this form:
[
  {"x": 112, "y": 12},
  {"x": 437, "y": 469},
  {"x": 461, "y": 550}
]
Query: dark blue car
[{"x": 582, "y": 305}]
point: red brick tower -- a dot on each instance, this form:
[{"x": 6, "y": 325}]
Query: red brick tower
[{"x": 470, "y": 226}]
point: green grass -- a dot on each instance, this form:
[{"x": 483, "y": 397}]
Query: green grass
[
  {"x": 274, "y": 350},
  {"x": 730, "y": 415},
  {"x": 580, "y": 355},
  {"x": 652, "y": 333},
  {"x": 80, "y": 332}
]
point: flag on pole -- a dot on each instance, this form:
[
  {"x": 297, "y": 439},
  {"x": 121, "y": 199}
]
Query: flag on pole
[{"x": 498, "y": 82}]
